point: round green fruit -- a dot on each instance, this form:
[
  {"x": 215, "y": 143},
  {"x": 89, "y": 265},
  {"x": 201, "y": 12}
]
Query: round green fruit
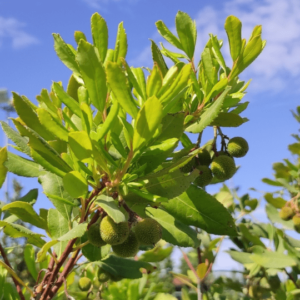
[
  {"x": 84, "y": 284},
  {"x": 103, "y": 276},
  {"x": 237, "y": 147},
  {"x": 286, "y": 213},
  {"x": 205, "y": 176},
  {"x": 129, "y": 248},
  {"x": 148, "y": 231},
  {"x": 223, "y": 167},
  {"x": 296, "y": 221},
  {"x": 94, "y": 236},
  {"x": 113, "y": 233},
  {"x": 204, "y": 158},
  {"x": 189, "y": 166}
]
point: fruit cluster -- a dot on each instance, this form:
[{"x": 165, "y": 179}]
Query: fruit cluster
[
  {"x": 222, "y": 165},
  {"x": 288, "y": 213},
  {"x": 125, "y": 238}
]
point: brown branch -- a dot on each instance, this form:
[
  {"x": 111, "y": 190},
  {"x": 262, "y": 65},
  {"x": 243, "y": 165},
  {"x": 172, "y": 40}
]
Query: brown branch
[
  {"x": 292, "y": 278},
  {"x": 19, "y": 290}
]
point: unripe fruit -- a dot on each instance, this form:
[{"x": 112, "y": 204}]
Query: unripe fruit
[
  {"x": 237, "y": 147},
  {"x": 129, "y": 248},
  {"x": 148, "y": 231},
  {"x": 189, "y": 166},
  {"x": 204, "y": 158},
  {"x": 205, "y": 176},
  {"x": 286, "y": 213},
  {"x": 103, "y": 276},
  {"x": 296, "y": 221},
  {"x": 113, "y": 233},
  {"x": 84, "y": 284},
  {"x": 223, "y": 167},
  {"x": 94, "y": 236}
]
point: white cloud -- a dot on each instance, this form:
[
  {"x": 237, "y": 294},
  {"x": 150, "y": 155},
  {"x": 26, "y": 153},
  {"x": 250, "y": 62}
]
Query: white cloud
[
  {"x": 12, "y": 29},
  {"x": 102, "y": 3},
  {"x": 278, "y": 66}
]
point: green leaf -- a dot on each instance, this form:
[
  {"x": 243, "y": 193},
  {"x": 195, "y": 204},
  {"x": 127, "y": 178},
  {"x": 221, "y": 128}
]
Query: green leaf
[
  {"x": 75, "y": 184},
  {"x": 64, "y": 53},
  {"x": 93, "y": 74},
  {"x": 117, "y": 82},
  {"x": 107, "y": 125},
  {"x": 3, "y": 168},
  {"x": 217, "y": 53},
  {"x": 20, "y": 141},
  {"x": 147, "y": 121},
  {"x": 71, "y": 103},
  {"x": 124, "y": 268},
  {"x": 93, "y": 253},
  {"x": 274, "y": 217},
  {"x": 173, "y": 231},
  {"x": 100, "y": 35},
  {"x": 156, "y": 254},
  {"x": 75, "y": 232},
  {"x": 78, "y": 35},
  {"x": 227, "y": 120},
  {"x": 187, "y": 33},
  {"x": 17, "y": 231},
  {"x": 277, "y": 202},
  {"x": 52, "y": 125},
  {"x": 121, "y": 43},
  {"x": 86, "y": 117},
  {"x": 209, "y": 115},
  {"x": 197, "y": 208},
  {"x": 255, "y": 240},
  {"x": 240, "y": 108},
  {"x": 53, "y": 185},
  {"x": 80, "y": 144},
  {"x": 29, "y": 257},
  {"x": 154, "y": 82},
  {"x": 233, "y": 27},
  {"x": 273, "y": 260},
  {"x": 29, "y": 117},
  {"x": 164, "y": 296},
  {"x": 168, "y": 35},
  {"x": 158, "y": 58},
  {"x": 217, "y": 88},
  {"x": 271, "y": 182},
  {"x": 26, "y": 213},
  {"x": 57, "y": 226},
  {"x": 241, "y": 257},
  {"x": 111, "y": 208},
  {"x": 208, "y": 66},
  {"x": 140, "y": 78}
]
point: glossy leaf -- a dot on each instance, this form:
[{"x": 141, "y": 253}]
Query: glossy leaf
[
  {"x": 250, "y": 237},
  {"x": 197, "y": 208},
  {"x": 201, "y": 270},
  {"x": 111, "y": 208},
  {"x": 158, "y": 58},
  {"x": 167, "y": 34},
  {"x": 209, "y": 115},
  {"x": 64, "y": 53},
  {"x": 121, "y": 43},
  {"x": 241, "y": 257},
  {"x": 3, "y": 168},
  {"x": 93, "y": 74},
  {"x": 26, "y": 213},
  {"x": 233, "y": 27},
  {"x": 117, "y": 82},
  {"x": 208, "y": 66},
  {"x": 147, "y": 121},
  {"x": 75, "y": 184},
  {"x": 277, "y": 202},
  {"x": 80, "y": 144},
  {"x": 156, "y": 254},
  {"x": 187, "y": 33},
  {"x": 227, "y": 120},
  {"x": 173, "y": 231},
  {"x": 86, "y": 117},
  {"x": 217, "y": 52},
  {"x": 100, "y": 35},
  {"x": 154, "y": 82},
  {"x": 29, "y": 257}
]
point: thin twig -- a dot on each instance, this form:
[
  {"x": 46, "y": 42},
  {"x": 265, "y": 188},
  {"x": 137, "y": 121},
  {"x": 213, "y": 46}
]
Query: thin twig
[{"x": 292, "y": 278}]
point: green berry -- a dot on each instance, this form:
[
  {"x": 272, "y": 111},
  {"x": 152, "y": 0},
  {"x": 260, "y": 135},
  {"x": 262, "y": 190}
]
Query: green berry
[
  {"x": 103, "y": 276},
  {"x": 84, "y": 284},
  {"x": 129, "y": 248},
  {"x": 237, "y": 147},
  {"x": 113, "y": 233},
  {"x": 205, "y": 176},
  {"x": 204, "y": 158},
  {"x": 296, "y": 221},
  {"x": 148, "y": 231},
  {"x": 223, "y": 167},
  {"x": 189, "y": 166},
  {"x": 94, "y": 236},
  {"x": 286, "y": 213}
]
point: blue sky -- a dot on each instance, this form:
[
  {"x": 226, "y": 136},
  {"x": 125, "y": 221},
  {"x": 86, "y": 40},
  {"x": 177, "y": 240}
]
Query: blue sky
[{"x": 28, "y": 62}]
